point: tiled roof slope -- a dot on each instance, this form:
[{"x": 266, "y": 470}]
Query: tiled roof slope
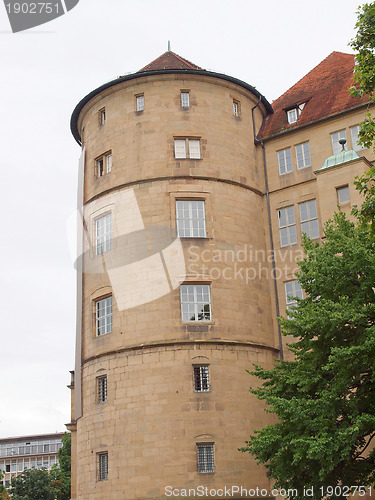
[
  {"x": 169, "y": 60},
  {"x": 325, "y": 91}
]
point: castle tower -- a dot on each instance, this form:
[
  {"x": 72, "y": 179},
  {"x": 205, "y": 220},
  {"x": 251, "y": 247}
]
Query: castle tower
[{"x": 175, "y": 298}]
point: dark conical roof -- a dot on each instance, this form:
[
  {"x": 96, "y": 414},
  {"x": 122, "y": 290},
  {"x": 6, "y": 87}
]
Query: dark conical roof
[{"x": 169, "y": 60}]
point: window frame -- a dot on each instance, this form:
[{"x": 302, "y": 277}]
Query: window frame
[
  {"x": 191, "y": 219},
  {"x": 101, "y": 117},
  {"x": 103, "y": 468},
  {"x": 201, "y": 378},
  {"x": 187, "y": 149},
  {"x": 103, "y": 242},
  {"x": 207, "y": 465},
  {"x": 101, "y": 389},
  {"x": 310, "y": 220},
  {"x": 336, "y": 146},
  {"x": 340, "y": 189},
  {"x": 107, "y": 316},
  {"x": 303, "y": 155},
  {"x": 103, "y": 164},
  {"x": 236, "y": 108},
  {"x": 185, "y": 104},
  {"x": 292, "y": 113},
  {"x": 139, "y": 103},
  {"x": 196, "y": 303},
  {"x": 354, "y": 137},
  {"x": 282, "y": 155},
  {"x": 285, "y": 229}
]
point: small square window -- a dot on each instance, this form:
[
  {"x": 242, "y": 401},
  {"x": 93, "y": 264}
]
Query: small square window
[
  {"x": 201, "y": 378},
  {"x": 140, "y": 102},
  {"x": 205, "y": 458},
  {"x": 236, "y": 108},
  {"x": 101, "y": 386},
  {"x": 343, "y": 194},
  {"x": 309, "y": 219},
  {"x": 195, "y": 302},
  {"x": 187, "y": 148},
  {"x": 103, "y": 313},
  {"x": 103, "y": 164},
  {"x": 103, "y": 466},
  {"x": 102, "y": 116},
  {"x": 285, "y": 161},
  {"x": 103, "y": 234},
  {"x": 185, "y": 99},
  {"x": 190, "y": 218},
  {"x": 336, "y": 146}
]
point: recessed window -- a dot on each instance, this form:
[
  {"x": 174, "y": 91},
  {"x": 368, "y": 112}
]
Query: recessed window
[
  {"x": 185, "y": 99},
  {"x": 103, "y": 234},
  {"x": 287, "y": 226},
  {"x": 140, "y": 102},
  {"x": 292, "y": 290},
  {"x": 335, "y": 137},
  {"x": 195, "y": 302},
  {"x": 293, "y": 114},
  {"x": 191, "y": 218},
  {"x": 354, "y": 132},
  {"x": 303, "y": 155},
  {"x": 101, "y": 387},
  {"x": 201, "y": 378},
  {"x": 236, "y": 108},
  {"x": 187, "y": 148},
  {"x": 205, "y": 458},
  {"x": 103, "y": 316},
  {"x": 103, "y": 466},
  {"x": 285, "y": 161},
  {"x": 309, "y": 219},
  {"x": 103, "y": 164},
  {"x": 102, "y": 116},
  {"x": 343, "y": 195}
]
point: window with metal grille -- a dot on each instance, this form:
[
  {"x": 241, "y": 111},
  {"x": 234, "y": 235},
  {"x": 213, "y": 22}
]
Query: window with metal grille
[
  {"x": 102, "y": 466},
  {"x": 201, "y": 378},
  {"x": 185, "y": 99},
  {"x": 103, "y": 234},
  {"x": 191, "y": 218},
  {"x": 285, "y": 161},
  {"x": 140, "y": 102},
  {"x": 309, "y": 219},
  {"x": 205, "y": 456},
  {"x": 303, "y": 155},
  {"x": 287, "y": 226},
  {"x": 104, "y": 316},
  {"x": 101, "y": 384},
  {"x": 195, "y": 302},
  {"x": 187, "y": 148}
]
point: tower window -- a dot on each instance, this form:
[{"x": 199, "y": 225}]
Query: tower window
[
  {"x": 140, "y": 102},
  {"x": 102, "y": 116},
  {"x": 103, "y": 234},
  {"x": 185, "y": 99},
  {"x": 103, "y": 466},
  {"x": 101, "y": 385},
  {"x": 195, "y": 302},
  {"x": 201, "y": 378},
  {"x": 104, "y": 316},
  {"x": 205, "y": 458},
  {"x": 103, "y": 164},
  {"x": 236, "y": 108},
  {"x": 187, "y": 148},
  {"x": 191, "y": 219}
]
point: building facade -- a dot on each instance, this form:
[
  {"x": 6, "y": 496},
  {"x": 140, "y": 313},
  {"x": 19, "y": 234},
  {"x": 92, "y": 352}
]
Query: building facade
[
  {"x": 26, "y": 452},
  {"x": 190, "y": 181}
]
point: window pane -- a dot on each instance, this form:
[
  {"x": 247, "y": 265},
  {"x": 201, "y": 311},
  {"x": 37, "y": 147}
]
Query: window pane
[
  {"x": 191, "y": 220},
  {"x": 185, "y": 99},
  {"x": 180, "y": 148},
  {"x": 195, "y": 303},
  {"x": 194, "y": 149},
  {"x": 343, "y": 194}
]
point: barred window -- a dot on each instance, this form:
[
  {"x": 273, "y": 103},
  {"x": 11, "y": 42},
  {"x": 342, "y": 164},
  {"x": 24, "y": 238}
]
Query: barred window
[
  {"x": 201, "y": 378},
  {"x": 104, "y": 316},
  {"x": 205, "y": 456},
  {"x": 102, "y": 388},
  {"x": 195, "y": 302},
  {"x": 103, "y": 466}
]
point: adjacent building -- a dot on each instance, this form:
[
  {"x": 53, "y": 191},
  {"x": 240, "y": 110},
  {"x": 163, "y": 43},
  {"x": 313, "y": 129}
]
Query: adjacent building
[{"x": 194, "y": 192}]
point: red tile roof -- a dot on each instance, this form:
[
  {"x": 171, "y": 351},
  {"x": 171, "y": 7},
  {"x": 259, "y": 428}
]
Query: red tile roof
[
  {"x": 324, "y": 90},
  {"x": 169, "y": 60}
]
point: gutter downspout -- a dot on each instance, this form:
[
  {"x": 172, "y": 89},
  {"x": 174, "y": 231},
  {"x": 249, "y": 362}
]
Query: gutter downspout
[{"x": 256, "y": 142}]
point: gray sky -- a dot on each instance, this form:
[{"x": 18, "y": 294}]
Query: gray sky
[{"x": 46, "y": 71}]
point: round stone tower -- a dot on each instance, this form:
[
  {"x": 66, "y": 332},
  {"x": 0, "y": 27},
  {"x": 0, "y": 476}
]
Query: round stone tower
[{"x": 174, "y": 301}]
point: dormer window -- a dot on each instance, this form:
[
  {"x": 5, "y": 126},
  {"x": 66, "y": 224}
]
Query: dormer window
[{"x": 294, "y": 113}]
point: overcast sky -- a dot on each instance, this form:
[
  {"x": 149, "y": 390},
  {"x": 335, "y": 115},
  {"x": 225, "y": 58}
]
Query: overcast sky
[{"x": 45, "y": 72}]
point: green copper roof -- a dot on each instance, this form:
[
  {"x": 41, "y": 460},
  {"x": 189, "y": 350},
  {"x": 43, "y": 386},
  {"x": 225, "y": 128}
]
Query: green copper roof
[{"x": 338, "y": 159}]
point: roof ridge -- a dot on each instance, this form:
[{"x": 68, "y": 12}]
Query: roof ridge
[{"x": 162, "y": 60}]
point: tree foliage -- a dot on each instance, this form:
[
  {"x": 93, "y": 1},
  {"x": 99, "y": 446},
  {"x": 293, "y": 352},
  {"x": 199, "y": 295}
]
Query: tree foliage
[
  {"x": 325, "y": 398},
  {"x": 364, "y": 71}
]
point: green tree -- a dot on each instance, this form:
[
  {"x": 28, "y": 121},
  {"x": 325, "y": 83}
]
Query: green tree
[
  {"x": 325, "y": 398},
  {"x": 32, "y": 484},
  {"x": 364, "y": 72},
  {"x": 61, "y": 476}
]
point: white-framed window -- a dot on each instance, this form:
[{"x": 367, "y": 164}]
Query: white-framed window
[
  {"x": 101, "y": 388},
  {"x": 292, "y": 115},
  {"x": 309, "y": 219},
  {"x": 191, "y": 218},
  {"x": 195, "y": 302},
  {"x": 354, "y": 133},
  {"x": 102, "y": 116},
  {"x": 236, "y": 108},
  {"x": 103, "y": 466},
  {"x": 185, "y": 99},
  {"x": 343, "y": 194},
  {"x": 285, "y": 161},
  {"x": 140, "y": 102},
  {"x": 201, "y": 378},
  {"x": 335, "y": 137},
  {"x": 187, "y": 148},
  {"x": 287, "y": 226},
  {"x": 303, "y": 155},
  {"x": 205, "y": 458},
  {"x": 103, "y": 164},
  {"x": 292, "y": 290},
  {"x": 103, "y": 309},
  {"x": 103, "y": 234}
]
